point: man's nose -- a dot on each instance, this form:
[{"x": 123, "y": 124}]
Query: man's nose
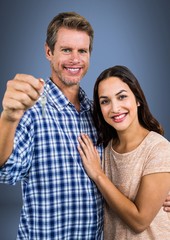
[{"x": 75, "y": 57}]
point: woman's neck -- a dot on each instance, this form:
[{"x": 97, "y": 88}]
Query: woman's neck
[{"x": 129, "y": 141}]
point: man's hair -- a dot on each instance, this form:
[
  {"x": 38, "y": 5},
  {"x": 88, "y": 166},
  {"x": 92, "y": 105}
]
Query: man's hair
[{"x": 69, "y": 20}]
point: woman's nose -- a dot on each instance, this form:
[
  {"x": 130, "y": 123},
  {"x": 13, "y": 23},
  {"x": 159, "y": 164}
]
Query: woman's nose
[{"x": 115, "y": 107}]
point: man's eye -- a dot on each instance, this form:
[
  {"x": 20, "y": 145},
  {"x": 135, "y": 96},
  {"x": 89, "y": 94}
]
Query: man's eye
[
  {"x": 66, "y": 50},
  {"x": 83, "y": 51}
]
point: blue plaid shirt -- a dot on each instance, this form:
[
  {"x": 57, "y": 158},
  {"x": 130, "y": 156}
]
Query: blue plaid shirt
[{"x": 59, "y": 200}]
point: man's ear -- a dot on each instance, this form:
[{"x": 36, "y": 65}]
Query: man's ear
[{"x": 48, "y": 52}]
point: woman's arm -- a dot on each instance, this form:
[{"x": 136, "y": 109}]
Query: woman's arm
[
  {"x": 150, "y": 197},
  {"x": 166, "y": 204}
]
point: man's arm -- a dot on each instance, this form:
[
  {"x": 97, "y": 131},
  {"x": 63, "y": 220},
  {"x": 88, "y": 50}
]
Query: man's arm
[{"x": 22, "y": 92}]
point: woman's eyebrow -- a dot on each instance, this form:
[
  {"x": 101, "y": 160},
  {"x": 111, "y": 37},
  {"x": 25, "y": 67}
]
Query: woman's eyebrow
[{"x": 121, "y": 91}]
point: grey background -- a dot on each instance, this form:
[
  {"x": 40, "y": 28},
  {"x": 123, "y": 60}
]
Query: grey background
[{"x": 127, "y": 32}]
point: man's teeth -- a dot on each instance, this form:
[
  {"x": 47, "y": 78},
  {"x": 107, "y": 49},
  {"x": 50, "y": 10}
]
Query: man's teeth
[{"x": 73, "y": 69}]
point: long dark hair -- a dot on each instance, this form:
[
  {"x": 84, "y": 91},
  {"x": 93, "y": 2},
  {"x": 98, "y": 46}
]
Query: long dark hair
[{"x": 146, "y": 119}]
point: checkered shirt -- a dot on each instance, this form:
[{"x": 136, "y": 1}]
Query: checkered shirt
[{"x": 60, "y": 202}]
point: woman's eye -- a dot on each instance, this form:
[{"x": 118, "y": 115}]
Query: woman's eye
[
  {"x": 104, "y": 102},
  {"x": 121, "y": 97}
]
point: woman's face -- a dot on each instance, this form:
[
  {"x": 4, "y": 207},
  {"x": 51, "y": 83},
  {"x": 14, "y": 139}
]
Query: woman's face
[{"x": 118, "y": 104}]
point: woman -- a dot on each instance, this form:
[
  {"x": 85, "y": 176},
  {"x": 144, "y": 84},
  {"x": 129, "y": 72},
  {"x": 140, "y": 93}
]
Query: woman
[{"x": 135, "y": 177}]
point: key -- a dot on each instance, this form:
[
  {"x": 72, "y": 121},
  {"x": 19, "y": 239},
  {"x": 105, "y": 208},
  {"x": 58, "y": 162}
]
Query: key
[{"x": 43, "y": 103}]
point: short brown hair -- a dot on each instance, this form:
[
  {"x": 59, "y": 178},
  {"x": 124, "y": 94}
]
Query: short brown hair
[{"x": 70, "y": 20}]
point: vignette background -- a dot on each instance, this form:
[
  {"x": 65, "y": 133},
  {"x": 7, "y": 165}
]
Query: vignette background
[{"x": 127, "y": 32}]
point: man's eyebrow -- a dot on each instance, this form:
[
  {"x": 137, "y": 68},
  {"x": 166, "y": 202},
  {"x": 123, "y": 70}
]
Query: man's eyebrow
[{"x": 64, "y": 46}]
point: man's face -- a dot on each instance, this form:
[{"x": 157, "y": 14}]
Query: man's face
[{"x": 70, "y": 59}]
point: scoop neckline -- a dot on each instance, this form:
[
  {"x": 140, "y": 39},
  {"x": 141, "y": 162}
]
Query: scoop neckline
[{"x": 139, "y": 146}]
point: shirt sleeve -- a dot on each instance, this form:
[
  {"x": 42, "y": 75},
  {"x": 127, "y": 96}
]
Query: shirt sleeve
[
  {"x": 158, "y": 159},
  {"x": 19, "y": 161}
]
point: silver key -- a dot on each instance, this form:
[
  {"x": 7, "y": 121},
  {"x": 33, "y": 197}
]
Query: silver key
[{"x": 43, "y": 103}]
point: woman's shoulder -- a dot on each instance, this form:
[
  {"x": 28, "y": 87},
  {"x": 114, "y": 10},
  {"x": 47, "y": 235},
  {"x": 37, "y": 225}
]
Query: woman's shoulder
[
  {"x": 156, "y": 138},
  {"x": 157, "y": 145}
]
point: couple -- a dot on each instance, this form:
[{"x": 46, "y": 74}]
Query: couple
[{"x": 41, "y": 125}]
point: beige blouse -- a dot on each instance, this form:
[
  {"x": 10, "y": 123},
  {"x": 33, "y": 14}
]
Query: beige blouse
[{"x": 125, "y": 171}]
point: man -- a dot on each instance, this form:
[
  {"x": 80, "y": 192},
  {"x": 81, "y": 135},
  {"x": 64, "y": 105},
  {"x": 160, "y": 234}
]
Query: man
[{"x": 40, "y": 124}]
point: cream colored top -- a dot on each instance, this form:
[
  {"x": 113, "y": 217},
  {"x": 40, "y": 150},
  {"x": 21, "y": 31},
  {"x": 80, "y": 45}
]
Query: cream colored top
[{"x": 125, "y": 171}]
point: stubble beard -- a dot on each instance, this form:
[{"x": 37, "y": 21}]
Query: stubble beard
[{"x": 66, "y": 81}]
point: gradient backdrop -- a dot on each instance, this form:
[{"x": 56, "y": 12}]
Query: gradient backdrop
[{"x": 127, "y": 32}]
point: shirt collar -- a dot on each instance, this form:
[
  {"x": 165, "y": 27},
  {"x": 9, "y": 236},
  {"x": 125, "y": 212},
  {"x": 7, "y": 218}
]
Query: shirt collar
[{"x": 56, "y": 98}]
